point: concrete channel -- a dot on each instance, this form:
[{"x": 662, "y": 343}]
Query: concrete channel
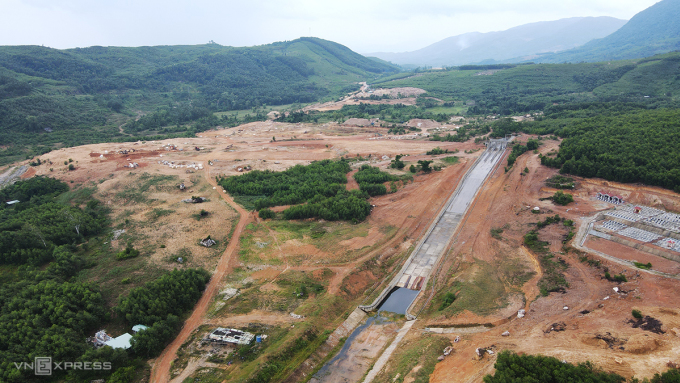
[
  {"x": 400, "y": 294},
  {"x": 417, "y": 269}
]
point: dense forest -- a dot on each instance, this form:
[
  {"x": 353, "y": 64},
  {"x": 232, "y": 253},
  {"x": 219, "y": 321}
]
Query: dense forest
[
  {"x": 630, "y": 147},
  {"x": 46, "y": 309},
  {"x": 617, "y": 142},
  {"x": 32, "y": 230}
]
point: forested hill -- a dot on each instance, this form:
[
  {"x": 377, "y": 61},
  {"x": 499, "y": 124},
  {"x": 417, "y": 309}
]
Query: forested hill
[
  {"x": 652, "y": 31},
  {"x": 92, "y": 91},
  {"x": 521, "y": 89},
  {"x": 101, "y": 69}
]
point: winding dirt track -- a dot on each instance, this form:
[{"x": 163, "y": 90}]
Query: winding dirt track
[{"x": 161, "y": 369}]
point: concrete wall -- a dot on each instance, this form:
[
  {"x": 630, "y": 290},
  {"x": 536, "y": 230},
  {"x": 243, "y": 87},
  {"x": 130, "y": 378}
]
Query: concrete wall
[{"x": 646, "y": 248}]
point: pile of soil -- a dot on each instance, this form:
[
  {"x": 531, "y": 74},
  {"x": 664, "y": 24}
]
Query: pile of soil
[{"x": 642, "y": 344}]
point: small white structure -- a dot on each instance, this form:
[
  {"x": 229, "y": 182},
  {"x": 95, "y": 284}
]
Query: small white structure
[
  {"x": 230, "y": 335},
  {"x": 138, "y": 327},
  {"x": 13, "y": 202},
  {"x": 122, "y": 341},
  {"x": 101, "y": 338}
]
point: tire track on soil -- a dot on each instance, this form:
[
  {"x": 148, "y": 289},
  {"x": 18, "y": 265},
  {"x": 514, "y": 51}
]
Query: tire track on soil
[{"x": 160, "y": 371}]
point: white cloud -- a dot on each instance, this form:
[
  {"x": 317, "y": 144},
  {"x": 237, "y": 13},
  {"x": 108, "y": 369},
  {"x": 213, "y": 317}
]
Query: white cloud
[{"x": 363, "y": 25}]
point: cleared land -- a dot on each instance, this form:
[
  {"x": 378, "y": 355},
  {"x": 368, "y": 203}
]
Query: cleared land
[{"x": 488, "y": 269}]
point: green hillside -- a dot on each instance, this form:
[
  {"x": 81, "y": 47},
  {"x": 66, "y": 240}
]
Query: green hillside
[
  {"x": 84, "y": 95},
  {"x": 519, "y": 89},
  {"x": 653, "y": 31}
]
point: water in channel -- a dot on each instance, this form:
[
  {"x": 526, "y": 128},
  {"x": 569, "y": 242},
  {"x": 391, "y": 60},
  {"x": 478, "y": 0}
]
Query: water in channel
[{"x": 343, "y": 364}]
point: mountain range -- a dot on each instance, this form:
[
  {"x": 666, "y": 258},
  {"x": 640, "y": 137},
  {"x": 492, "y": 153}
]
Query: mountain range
[
  {"x": 522, "y": 41},
  {"x": 655, "y": 30}
]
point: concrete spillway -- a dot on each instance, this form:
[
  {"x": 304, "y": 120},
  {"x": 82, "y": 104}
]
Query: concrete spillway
[{"x": 417, "y": 269}]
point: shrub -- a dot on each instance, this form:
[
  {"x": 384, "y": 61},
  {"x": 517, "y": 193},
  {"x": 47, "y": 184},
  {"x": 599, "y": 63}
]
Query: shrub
[
  {"x": 425, "y": 165},
  {"x": 437, "y": 151},
  {"x": 129, "y": 252},
  {"x": 496, "y": 233},
  {"x": 266, "y": 213},
  {"x": 449, "y": 298},
  {"x": 561, "y": 198},
  {"x": 637, "y": 314},
  {"x": 620, "y": 278},
  {"x": 644, "y": 266},
  {"x": 617, "y": 278},
  {"x": 412, "y": 169}
]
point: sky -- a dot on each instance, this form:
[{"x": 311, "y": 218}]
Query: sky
[{"x": 363, "y": 25}]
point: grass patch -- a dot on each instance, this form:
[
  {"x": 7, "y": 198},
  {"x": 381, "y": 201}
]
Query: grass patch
[
  {"x": 450, "y": 160},
  {"x": 157, "y": 213},
  {"x": 619, "y": 278},
  {"x": 137, "y": 192},
  {"x": 481, "y": 292},
  {"x": 583, "y": 258},
  {"x": 421, "y": 353},
  {"x": 247, "y": 201},
  {"x": 553, "y": 280},
  {"x": 183, "y": 253},
  {"x": 77, "y": 196}
]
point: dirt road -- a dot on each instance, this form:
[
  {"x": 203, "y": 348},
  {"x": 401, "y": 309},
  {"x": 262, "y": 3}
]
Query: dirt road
[{"x": 161, "y": 369}]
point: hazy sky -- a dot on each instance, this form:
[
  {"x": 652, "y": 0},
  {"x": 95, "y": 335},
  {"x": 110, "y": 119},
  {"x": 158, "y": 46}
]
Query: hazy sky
[{"x": 363, "y": 25}]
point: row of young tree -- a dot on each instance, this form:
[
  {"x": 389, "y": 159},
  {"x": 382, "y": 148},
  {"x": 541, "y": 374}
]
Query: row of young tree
[
  {"x": 32, "y": 229},
  {"x": 158, "y": 305},
  {"x": 317, "y": 190},
  {"x": 389, "y": 113},
  {"x": 293, "y": 186},
  {"x": 345, "y": 205},
  {"x": 371, "y": 180}
]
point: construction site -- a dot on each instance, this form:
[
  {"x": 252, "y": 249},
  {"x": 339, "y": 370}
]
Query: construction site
[{"x": 459, "y": 230}]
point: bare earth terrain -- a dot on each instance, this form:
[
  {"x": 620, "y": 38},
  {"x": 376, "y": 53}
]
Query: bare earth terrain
[{"x": 589, "y": 321}]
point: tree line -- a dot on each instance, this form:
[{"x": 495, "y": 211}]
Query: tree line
[{"x": 513, "y": 368}]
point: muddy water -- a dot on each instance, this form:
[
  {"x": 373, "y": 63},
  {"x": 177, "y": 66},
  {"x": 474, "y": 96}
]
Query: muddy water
[
  {"x": 365, "y": 342},
  {"x": 398, "y": 300},
  {"x": 359, "y": 351}
]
